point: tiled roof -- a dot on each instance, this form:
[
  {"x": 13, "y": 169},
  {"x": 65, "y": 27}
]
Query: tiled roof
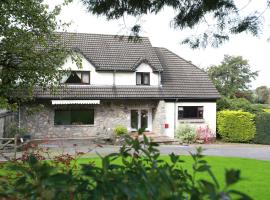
[
  {"x": 180, "y": 78},
  {"x": 108, "y": 52}
]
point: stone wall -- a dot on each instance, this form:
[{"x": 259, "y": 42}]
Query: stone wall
[
  {"x": 159, "y": 118},
  {"x": 108, "y": 114}
]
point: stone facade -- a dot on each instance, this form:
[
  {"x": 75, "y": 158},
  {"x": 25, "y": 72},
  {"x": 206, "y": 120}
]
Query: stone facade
[
  {"x": 159, "y": 118},
  {"x": 107, "y": 115}
]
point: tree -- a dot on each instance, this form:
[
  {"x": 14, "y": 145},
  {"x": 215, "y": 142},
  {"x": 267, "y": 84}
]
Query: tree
[
  {"x": 30, "y": 53},
  {"x": 222, "y": 17},
  {"x": 263, "y": 94},
  {"x": 232, "y": 75}
]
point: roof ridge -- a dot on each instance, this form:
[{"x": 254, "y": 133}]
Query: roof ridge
[{"x": 84, "y": 33}]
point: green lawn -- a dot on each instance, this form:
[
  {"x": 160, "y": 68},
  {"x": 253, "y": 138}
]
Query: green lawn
[{"x": 255, "y": 173}]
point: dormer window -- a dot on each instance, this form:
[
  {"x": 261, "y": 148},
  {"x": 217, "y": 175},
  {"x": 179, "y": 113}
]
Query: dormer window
[
  {"x": 142, "y": 78},
  {"x": 78, "y": 77}
]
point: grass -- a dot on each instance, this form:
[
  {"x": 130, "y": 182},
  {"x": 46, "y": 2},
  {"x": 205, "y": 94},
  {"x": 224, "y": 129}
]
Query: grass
[{"x": 255, "y": 173}]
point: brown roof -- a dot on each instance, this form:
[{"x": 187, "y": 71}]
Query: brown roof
[
  {"x": 108, "y": 52},
  {"x": 180, "y": 78}
]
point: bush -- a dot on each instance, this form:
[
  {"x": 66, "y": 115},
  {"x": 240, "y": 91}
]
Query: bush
[
  {"x": 223, "y": 103},
  {"x": 206, "y": 134},
  {"x": 120, "y": 130},
  {"x": 236, "y": 126},
  {"x": 262, "y": 128},
  {"x": 13, "y": 129},
  {"x": 186, "y": 133},
  {"x": 266, "y": 110},
  {"x": 239, "y": 104},
  {"x": 142, "y": 174}
]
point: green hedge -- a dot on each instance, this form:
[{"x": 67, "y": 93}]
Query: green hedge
[
  {"x": 262, "y": 128},
  {"x": 236, "y": 126}
]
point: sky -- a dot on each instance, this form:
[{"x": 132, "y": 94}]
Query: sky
[{"x": 157, "y": 27}]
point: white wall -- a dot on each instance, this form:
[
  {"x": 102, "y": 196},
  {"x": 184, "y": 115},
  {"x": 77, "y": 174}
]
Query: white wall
[
  {"x": 209, "y": 116},
  {"x": 96, "y": 78},
  {"x": 106, "y": 78}
]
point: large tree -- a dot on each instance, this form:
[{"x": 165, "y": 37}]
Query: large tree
[
  {"x": 221, "y": 17},
  {"x": 232, "y": 75},
  {"x": 263, "y": 94},
  {"x": 30, "y": 53}
]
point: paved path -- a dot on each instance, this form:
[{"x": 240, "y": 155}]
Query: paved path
[{"x": 260, "y": 152}]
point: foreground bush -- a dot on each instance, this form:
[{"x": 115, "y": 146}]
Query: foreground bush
[
  {"x": 142, "y": 175},
  {"x": 236, "y": 126},
  {"x": 262, "y": 128}
]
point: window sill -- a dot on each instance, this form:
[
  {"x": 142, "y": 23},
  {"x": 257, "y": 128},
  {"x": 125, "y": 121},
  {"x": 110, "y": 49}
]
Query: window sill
[
  {"x": 70, "y": 126},
  {"x": 192, "y": 120}
]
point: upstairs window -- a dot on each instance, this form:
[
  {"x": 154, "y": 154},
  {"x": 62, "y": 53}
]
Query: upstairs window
[
  {"x": 77, "y": 77},
  {"x": 190, "y": 112},
  {"x": 143, "y": 78}
]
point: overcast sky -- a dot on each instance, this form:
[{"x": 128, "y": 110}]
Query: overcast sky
[{"x": 157, "y": 28}]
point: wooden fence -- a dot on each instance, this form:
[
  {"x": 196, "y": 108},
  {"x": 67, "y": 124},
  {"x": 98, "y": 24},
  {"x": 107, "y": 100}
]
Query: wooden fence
[
  {"x": 6, "y": 120},
  {"x": 11, "y": 143}
]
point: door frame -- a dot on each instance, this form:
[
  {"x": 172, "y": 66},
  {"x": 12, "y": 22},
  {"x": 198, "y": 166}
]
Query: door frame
[{"x": 150, "y": 121}]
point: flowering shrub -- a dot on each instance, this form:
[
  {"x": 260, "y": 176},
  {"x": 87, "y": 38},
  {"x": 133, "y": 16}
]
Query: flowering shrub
[{"x": 206, "y": 134}]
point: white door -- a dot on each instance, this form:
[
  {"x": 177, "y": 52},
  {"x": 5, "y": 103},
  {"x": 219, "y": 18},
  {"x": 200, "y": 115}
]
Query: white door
[{"x": 141, "y": 118}]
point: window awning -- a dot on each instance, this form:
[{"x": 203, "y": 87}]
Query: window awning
[{"x": 65, "y": 102}]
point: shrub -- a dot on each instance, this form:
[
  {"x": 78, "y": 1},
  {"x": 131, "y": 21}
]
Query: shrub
[
  {"x": 262, "y": 128},
  {"x": 239, "y": 104},
  {"x": 142, "y": 174},
  {"x": 223, "y": 103},
  {"x": 120, "y": 130},
  {"x": 186, "y": 133},
  {"x": 206, "y": 134},
  {"x": 266, "y": 110},
  {"x": 236, "y": 126},
  {"x": 13, "y": 129}
]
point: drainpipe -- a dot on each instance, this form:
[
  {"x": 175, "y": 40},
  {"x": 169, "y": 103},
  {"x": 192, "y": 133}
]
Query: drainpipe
[
  {"x": 175, "y": 125},
  {"x": 114, "y": 77},
  {"x": 19, "y": 116}
]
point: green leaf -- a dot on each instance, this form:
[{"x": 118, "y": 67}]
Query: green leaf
[
  {"x": 232, "y": 176},
  {"x": 242, "y": 195}
]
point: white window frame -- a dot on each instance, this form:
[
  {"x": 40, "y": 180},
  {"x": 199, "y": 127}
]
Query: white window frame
[{"x": 150, "y": 121}]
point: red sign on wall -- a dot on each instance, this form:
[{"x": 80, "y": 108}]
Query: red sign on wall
[{"x": 166, "y": 125}]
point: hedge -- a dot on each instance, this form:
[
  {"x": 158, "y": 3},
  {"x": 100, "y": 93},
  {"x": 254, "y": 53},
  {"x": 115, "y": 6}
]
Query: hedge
[
  {"x": 262, "y": 128},
  {"x": 236, "y": 126}
]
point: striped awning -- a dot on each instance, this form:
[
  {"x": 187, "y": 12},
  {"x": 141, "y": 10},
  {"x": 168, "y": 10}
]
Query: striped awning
[{"x": 65, "y": 102}]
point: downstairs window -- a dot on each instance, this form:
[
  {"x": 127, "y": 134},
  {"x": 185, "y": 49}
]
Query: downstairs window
[
  {"x": 74, "y": 117},
  {"x": 190, "y": 112}
]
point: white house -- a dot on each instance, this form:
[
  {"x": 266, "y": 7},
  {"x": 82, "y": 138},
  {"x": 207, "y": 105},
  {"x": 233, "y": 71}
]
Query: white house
[{"x": 122, "y": 82}]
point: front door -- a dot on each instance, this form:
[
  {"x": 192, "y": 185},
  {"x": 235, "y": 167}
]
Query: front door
[{"x": 141, "y": 118}]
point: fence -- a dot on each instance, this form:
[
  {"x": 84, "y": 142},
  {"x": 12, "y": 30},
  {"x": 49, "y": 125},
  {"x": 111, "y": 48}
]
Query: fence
[
  {"x": 6, "y": 121},
  {"x": 10, "y": 143}
]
